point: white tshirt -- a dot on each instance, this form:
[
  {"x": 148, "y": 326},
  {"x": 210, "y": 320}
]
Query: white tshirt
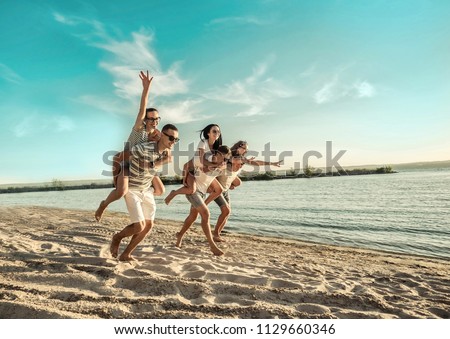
[
  {"x": 227, "y": 177},
  {"x": 205, "y": 147},
  {"x": 203, "y": 180}
]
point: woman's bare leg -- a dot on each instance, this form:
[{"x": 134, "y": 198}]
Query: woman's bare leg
[
  {"x": 216, "y": 191},
  {"x": 120, "y": 176},
  {"x": 117, "y": 193},
  {"x": 190, "y": 188}
]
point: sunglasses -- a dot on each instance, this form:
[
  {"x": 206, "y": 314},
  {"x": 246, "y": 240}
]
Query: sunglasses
[
  {"x": 171, "y": 137},
  {"x": 214, "y": 131},
  {"x": 158, "y": 119}
]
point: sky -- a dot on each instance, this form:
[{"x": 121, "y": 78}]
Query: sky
[{"x": 371, "y": 77}]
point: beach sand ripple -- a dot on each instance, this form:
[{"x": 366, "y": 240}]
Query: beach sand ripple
[{"x": 56, "y": 263}]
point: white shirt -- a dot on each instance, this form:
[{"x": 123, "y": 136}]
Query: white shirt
[
  {"x": 227, "y": 177},
  {"x": 203, "y": 180},
  {"x": 205, "y": 147}
]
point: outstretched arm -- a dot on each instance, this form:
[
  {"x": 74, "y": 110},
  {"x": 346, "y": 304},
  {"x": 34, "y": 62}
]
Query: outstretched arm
[
  {"x": 205, "y": 163},
  {"x": 146, "y": 81},
  {"x": 253, "y": 162}
]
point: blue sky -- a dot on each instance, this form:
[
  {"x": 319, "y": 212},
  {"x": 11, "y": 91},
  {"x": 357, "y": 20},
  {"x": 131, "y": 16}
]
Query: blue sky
[{"x": 370, "y": 76}]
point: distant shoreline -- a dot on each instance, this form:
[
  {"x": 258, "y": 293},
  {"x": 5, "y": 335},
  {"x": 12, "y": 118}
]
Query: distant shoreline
[{"x": 58, "y": 185}]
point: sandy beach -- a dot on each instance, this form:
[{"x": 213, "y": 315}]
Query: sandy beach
[{"x": 55, "y": 263}]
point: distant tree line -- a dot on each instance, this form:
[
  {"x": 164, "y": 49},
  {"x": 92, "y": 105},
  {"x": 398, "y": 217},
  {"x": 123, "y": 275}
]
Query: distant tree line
[{"x": 310, "y": 172}]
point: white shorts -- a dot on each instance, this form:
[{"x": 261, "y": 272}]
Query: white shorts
[{"x": 141, "y": 205}]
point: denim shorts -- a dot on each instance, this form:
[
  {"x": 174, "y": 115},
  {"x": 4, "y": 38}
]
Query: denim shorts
[
  {"x": 196, "y": 199},
  {"x": 223, "y": 199}
]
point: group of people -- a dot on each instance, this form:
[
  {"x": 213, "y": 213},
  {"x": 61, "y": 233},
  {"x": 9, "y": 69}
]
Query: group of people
[{"x": 207, "y": 177}]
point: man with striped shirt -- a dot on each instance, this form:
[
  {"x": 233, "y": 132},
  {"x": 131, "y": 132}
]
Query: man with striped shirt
[{"x": 145, "y": 159}]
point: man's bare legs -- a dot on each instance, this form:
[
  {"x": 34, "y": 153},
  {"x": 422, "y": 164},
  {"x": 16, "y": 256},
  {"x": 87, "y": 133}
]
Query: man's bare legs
[
  {"x": 193, "y": 214},
  {"x": 138, "y": 231},
  {"x": 221, "y": 221},
  {"x": 204, "y": 214},
  {"x": 135, "y": 240}
]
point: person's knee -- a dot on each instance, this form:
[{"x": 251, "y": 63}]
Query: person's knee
[
  {"x": 205, "y": 214},
  {"x": 226, "y": 211},
  {"x": 148, "y": 226},
  {"x": 121, "y": 191},
  {"x": 193, "y": 215},
  {"x": 140, "y": 226},
  {"x": 190, "y": 190}
]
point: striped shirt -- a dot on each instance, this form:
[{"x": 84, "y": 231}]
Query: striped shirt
[
  {"x": 136, "y": 138},
  {"x": 141, "y": 155}
]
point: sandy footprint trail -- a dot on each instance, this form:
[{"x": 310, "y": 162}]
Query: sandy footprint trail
[{"x": 56, "y": 264}]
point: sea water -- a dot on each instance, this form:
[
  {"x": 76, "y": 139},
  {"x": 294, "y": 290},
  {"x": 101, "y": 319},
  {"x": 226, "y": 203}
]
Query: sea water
[{"x": 405, "y": 212}]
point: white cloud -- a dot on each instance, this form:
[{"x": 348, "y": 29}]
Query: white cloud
[
  {"x": 36, "y": 124},
  {"x": 364, "y": 89},
  {"x": 24, "y": 128},
  {"x": 129, "y": 57},
  {"x": 180, "y": 111},
  {"x": 104, "y": 104},
  {"x": 327, "y": 93},
  {"x": 9, "y": 75},
  {"x": 308, "y": 72},
  {"x": 126, "y": 59},
  {"x": 237, "y": 20},
  {"x": 64, "y": 20},
  {"x": 336, "y": 89},
  {"x": 256, "y": 92},
  {"x": 63, "y": 123}
]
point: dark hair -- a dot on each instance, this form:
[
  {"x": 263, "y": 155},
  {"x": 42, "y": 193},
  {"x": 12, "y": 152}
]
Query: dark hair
[
  {"x": 240, "y": 143},
  {"x": 151, "y": 109},
  {"x": 169, "y": 126},
  {"x": 204, "y": 136},
  {"x": 225, "y": 150},
  {"x": 235, "y": 153}
]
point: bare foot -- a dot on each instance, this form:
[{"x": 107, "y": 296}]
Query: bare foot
[
  {"x": 100, "y": 210},
  {"x": 217, "y": 251},
  {"x": 126, "y": 258},
  {"x": 169, "y": 198},
  {"x": 217, "y": 238},
  {"x": 179, "y": 240},
  {"x": 115, "y": 243}
]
